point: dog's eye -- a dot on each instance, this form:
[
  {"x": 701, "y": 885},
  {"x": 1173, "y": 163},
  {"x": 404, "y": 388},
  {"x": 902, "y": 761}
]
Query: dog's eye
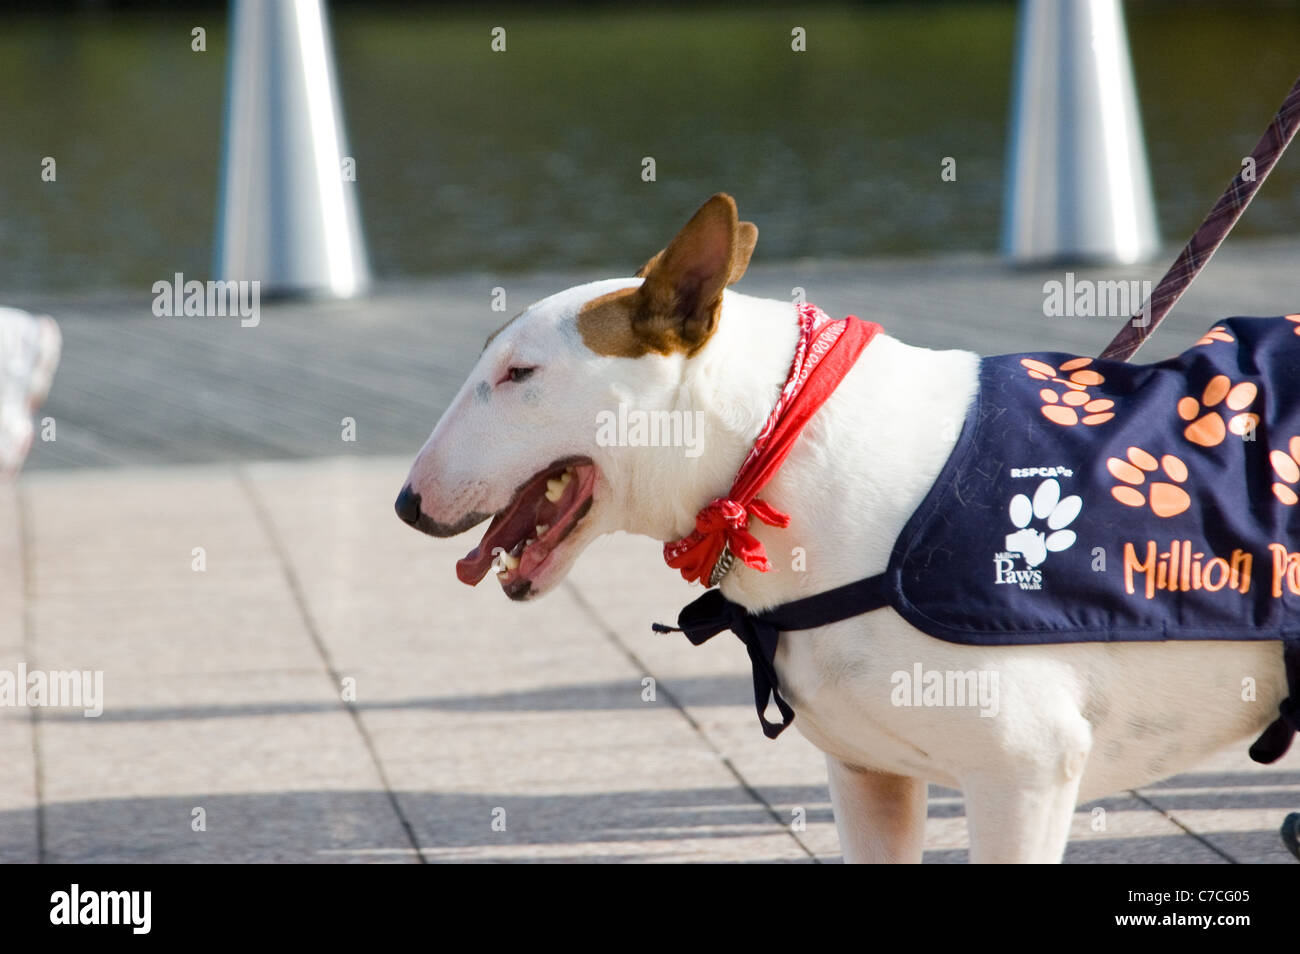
[{"x": 519, "y": 374}]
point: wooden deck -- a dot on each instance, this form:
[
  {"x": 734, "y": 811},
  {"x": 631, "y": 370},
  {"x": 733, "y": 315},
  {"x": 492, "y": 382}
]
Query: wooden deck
[{"x": 137, "y": 389}]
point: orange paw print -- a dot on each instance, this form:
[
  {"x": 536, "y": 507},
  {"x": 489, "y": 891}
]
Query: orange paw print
[
  {"x": 1207, "y": 429},
  {"x": 1165, "y": 499},
  {"x": 1287, "y": 467},
  {"x": 1296, "y": 319},
  {"x": 1220, "y": 333},
  {"x": 1075, "y": 404}
]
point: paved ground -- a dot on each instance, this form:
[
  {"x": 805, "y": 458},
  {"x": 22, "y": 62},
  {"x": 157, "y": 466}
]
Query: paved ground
[
  {"x": 223, "y": 691},
  {"x": 231, "y": 689}
]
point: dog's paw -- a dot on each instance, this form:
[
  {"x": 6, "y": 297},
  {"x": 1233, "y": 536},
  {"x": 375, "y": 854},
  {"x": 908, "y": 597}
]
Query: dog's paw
[
  {"x": 1217, "y": 333},
  {"x": 1074, "y": 405},
  {"x": 1034, "y": 545},
  {"x": 1286, "y": 465},
  {"x": 1207, "y": 426},
  {"x": 1165, "y": 499}
]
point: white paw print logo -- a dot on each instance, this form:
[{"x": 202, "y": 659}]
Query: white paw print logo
[{"x": 1032, "y": 544}]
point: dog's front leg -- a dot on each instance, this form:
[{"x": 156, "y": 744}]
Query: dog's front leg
[
  {"x": 1020, "y": 817},
  {"x": 880, "y": 817}
]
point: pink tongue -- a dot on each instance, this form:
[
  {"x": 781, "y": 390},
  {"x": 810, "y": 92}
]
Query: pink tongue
[
  {"x": 478, "y": 561},
  {"x": 507, "y": 529},
  {"x": 474, "y": 567}
]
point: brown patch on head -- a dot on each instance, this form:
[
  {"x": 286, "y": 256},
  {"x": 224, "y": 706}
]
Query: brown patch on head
[
  {"x": 676, "y": 307},
  {"x": 606, "y": 325}
]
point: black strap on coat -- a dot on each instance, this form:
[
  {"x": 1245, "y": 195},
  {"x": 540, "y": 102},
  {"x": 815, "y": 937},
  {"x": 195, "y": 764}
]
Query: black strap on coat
[
  {"x": 1272, "y": 745},
  {"x": 712, "y": 613}
]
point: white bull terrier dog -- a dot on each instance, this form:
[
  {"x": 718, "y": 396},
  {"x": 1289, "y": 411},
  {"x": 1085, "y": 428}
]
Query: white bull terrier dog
[{"x": 1053, "y": 725}]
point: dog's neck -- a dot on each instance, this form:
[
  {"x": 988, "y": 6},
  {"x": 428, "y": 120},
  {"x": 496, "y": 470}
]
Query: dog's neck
[
  {"x": 730, "y": 386},
  {"x": 862, "y": 465}
]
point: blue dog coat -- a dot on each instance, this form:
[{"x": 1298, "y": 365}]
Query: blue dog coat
[{"x": 1089, "y": 500}]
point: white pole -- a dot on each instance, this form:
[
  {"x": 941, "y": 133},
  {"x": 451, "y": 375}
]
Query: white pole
[
  {"x": 1078, "y": 188},
  {"x": 287, "y": 213}
]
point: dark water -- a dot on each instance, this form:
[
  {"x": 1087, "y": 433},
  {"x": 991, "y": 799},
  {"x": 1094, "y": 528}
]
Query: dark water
[{"x": 468, "y": 159}]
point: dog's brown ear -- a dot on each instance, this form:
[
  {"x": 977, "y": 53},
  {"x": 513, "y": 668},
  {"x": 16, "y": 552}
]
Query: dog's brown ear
[
  {"x": 682, "y": 292},
  {"x": 650, "y": 263},
  {"x": 675, "y": 309},
  {"x": 746, "y": 239}
]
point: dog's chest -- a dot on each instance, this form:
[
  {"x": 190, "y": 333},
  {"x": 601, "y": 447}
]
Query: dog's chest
[{"x": 840, "y": 679}]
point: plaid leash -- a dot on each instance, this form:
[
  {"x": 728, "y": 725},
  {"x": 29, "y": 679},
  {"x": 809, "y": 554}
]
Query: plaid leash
[{"x": 1205, "y": 241}]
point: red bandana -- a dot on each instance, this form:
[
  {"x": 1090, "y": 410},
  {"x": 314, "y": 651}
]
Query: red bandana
[{"x": 823, "y": 356}]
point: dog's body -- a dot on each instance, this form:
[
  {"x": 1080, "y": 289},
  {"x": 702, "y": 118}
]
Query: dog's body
[{"x": 1075, "y": 721}]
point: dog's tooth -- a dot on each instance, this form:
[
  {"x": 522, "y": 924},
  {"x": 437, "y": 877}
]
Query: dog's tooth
[
  {"x": 508, "y": 561},
  {"x": 555, "y": 486},
  {"x": 541, "y": 530}
]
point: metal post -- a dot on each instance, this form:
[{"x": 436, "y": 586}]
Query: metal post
[
  {"x": 286, "y": 216},
  {"x": 1078, "y": 187}
]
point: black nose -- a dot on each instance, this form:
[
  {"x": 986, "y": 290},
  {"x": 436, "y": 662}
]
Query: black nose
[{"x": 408, "y": 505}]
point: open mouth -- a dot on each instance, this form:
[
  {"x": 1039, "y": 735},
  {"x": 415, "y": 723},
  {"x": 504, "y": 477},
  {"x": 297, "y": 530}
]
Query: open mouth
[{"x": 522, "y": 537}]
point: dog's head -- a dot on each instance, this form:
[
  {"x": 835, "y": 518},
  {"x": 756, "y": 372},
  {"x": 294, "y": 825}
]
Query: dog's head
[{"x": 520, "y": 442}]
